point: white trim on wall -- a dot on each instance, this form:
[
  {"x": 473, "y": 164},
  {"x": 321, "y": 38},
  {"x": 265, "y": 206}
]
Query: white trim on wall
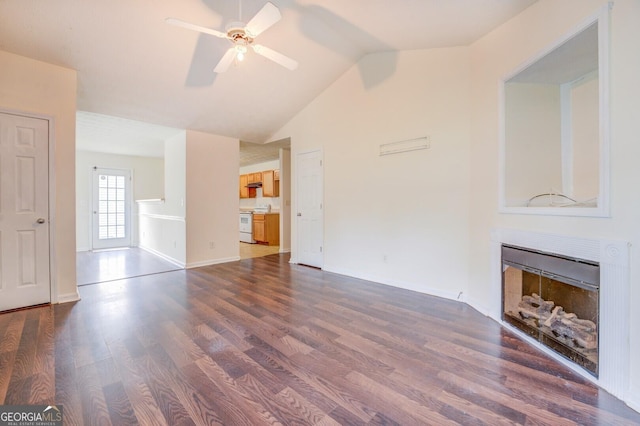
[{"x": 212, "y": 262}]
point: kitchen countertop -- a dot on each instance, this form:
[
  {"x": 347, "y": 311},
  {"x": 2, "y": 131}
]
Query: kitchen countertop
[{"x": 250, "y": 210}]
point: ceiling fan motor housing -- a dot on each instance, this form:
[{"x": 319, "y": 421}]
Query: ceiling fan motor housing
[{"x": 237, "y": 34}]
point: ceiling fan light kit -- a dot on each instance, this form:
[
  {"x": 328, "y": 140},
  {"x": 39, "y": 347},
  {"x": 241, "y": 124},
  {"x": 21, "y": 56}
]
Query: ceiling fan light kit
[{"x": 242, "y": 36}]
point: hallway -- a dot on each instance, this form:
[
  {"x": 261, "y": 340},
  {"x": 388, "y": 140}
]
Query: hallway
[{"x": 109, "y": 265}]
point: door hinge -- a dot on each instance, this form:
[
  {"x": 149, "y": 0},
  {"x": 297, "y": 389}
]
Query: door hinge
[
  {"x": 320, "y": 249},
  {"x": 320, "y": 163}
]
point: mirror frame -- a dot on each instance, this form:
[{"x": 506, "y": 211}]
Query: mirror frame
[{"x": 603, "y": 206}]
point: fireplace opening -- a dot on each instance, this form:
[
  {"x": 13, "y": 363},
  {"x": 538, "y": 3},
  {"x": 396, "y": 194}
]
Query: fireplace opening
[{"x": 555, "y": 300}]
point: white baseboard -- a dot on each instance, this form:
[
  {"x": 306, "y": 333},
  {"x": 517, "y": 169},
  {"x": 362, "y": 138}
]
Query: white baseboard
[
  {"x": 164, "y": 256},
  {"x": 68, "y": 297},
  {"x": 79, "y": 249},
  {"x": 212, "y": 262},
  {"x": 479, "y": 307},
  {"x": 457, "y": 296},
  {"x": 284, "y": 250}
]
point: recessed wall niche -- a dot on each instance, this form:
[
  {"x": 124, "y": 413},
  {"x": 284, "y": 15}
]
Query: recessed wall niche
[{"x": 554, "y": 125}]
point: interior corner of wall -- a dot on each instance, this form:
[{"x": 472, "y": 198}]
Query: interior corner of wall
[{"x": 633, "y": 400}]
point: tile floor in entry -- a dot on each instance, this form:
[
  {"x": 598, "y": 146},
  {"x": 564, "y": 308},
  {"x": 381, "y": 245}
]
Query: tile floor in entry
[{"x": 122, "y": 263}]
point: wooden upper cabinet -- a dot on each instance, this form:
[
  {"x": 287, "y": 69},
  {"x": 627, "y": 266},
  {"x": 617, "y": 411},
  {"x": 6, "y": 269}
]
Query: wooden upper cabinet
[
  {"x": 255, "y": 177},
  {"x": 270, "y": 186},
  {"x": 244, "y": 191}
]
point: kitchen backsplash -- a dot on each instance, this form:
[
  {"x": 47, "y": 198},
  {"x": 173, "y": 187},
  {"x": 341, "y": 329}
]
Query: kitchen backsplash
[{"x": 252, "y": 202}]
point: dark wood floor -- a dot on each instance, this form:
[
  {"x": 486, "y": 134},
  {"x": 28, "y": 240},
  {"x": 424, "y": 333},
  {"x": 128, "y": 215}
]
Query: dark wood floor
[{"x": 260, "y": 341}]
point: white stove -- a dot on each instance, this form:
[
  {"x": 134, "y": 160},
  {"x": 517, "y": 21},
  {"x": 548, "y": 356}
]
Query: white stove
[
  {"x": 246, "y": 222},
  {"x": 246, "y": 227}
]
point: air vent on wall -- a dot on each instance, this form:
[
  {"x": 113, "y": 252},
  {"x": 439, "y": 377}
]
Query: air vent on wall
[{"x": 405, "y": 146}]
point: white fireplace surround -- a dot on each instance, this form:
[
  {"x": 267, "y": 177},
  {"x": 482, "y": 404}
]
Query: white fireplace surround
[{"x": 613, "y": 257}]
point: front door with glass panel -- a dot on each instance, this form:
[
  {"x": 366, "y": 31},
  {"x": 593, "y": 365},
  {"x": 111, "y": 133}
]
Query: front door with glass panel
[{"x": 111, "y": 208}]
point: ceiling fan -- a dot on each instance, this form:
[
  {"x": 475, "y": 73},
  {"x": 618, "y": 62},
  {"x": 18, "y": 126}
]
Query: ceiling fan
[{"x": 243, "y": 36}]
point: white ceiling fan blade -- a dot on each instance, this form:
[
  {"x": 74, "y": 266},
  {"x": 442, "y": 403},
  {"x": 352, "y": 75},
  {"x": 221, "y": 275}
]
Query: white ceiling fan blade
[
  {"x": 266, "y": 17},
  {"x": 226, "y": 61},
  {"x": 276, "y": 57},
  {"x": 187, "y": 25}
]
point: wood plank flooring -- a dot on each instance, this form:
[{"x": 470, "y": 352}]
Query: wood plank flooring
[{"x": 261, "y": 341}]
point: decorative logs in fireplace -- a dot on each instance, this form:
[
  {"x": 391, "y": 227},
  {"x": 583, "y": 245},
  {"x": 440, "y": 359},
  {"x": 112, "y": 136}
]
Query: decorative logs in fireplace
[{"x": 543, "y": 314}]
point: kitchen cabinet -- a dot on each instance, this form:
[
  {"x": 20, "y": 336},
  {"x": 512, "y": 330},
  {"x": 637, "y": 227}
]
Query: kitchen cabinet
[
  {"x": 266, "y": 228},
  {"x": 244, "y": 191},
  {"x": 255, "y": 177},
  {"x": 270, "y": 185}
]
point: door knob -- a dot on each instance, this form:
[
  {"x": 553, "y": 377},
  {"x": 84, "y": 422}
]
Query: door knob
[{"x": 41, "y": 220}]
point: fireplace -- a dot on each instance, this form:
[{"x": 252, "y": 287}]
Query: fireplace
[
  {"x": 614, "y": 288},
  {"x": 555, "y": 300}
]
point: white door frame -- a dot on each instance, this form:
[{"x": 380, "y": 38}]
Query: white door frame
[
  {"x": 53, "y": 281},
  {"x": 128, "y": 205},
  {"x": 320, "y": 153}
]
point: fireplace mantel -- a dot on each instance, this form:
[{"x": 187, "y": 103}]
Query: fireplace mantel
[{"x": 613, "y": 257}]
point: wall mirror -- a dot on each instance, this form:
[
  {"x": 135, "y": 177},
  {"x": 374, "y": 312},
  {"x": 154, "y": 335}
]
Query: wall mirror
[{"x": 554, "y": 148}]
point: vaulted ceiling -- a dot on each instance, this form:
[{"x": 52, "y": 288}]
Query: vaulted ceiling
[{"x": 133, "y": 65}]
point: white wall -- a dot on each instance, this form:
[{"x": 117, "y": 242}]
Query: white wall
[
  {"x": 148, "y": 182},
  {"x": 432, "y": 212},
  {"x": 212, "y": 199},
  {"x": 197, "y": 224},
  {"x": 585, "y": 140},
  {"x": 260, "y": 199},
  {"x": 399, "y": 219},
  {"x": 533, "y": 142},
  {"x": 162, "y": 225},
  {"x": 36, "y": 87},
  {"x": 498, "y": 54}
]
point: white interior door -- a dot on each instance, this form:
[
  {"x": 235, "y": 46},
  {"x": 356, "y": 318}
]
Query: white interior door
[
  {"x": 111, "y": 208},
  {"x": 309, "y": 215},
  {"x": 24, "y": 212}
]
